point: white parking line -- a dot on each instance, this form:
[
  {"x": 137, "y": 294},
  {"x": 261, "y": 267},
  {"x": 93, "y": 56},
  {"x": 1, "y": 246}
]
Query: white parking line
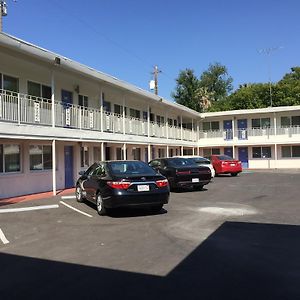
[
  {"x": 8, "y": 210},
  {"x": 81, "y": 212},
  {"x": 3, "y": 238},
  {"x": 68, "y": 197}
]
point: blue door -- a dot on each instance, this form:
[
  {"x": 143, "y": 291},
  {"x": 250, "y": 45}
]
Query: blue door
[
  {"x": 243, "y": 156},
  {"x": 242, "y": 129},
  {"x": 69, "y": 176},
  {"x": 228, "y": 151},
  {"x": 227, "y": 126}
]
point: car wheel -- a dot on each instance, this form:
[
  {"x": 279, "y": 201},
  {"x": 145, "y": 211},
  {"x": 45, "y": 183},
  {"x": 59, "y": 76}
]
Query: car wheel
[
  {"x": 100, "y": 205},
  {"x": 234, "y": 174},
  {"x": 198, "y": 187},
  {"x": 156, "y": 208},
  {"x": 78, "y": 194}
]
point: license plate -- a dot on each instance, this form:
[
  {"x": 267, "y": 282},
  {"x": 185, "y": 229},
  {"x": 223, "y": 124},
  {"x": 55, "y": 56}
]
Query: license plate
[
  {"x": 232, "y": 165},
  {"x": 143, "y": 188},
  {"x": 195, "y": 179}
]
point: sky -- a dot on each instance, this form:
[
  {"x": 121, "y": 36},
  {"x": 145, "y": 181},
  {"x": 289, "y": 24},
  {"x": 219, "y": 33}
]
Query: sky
[{"x": 127, "y": 38}]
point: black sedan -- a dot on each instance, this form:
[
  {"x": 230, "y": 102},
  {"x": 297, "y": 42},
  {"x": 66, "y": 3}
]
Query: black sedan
[
  {"x": 112, "y": 184},
  {"x": 182, "y": 172}
]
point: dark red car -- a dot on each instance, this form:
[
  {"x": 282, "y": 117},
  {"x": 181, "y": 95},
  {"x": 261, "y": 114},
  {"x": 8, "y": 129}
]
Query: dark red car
[{"x": 224, "y": 164}]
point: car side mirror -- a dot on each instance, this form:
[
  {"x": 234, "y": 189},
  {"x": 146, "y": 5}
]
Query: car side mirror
[{"x": 81, "y": 173}]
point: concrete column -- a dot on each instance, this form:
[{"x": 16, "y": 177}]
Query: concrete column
[
  {"x": 102, "y": 152},
  {"x": 53, "y": 98},
  {"x": 167, "y": 125},
  {"x": 275, "y": 154},
  {"x": 167, "y": 154},
  {"x": 181, "y": 132},
  {"x": 275, "y": 124},
  {"x": 54, "y": 168},
  {"x": 101, "y": 111},
  {"x": 124, "y": 151},
  {"x": 124, "y": 115},
  {"x": 149, "y": 152},
  {"x": 181, "y": 150},
  {"x": 148, "y": 119},
  {"x": 193, "y": 151}
]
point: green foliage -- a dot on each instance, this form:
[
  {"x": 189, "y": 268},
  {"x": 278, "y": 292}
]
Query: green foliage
[
  {"x": 199, "y": 94},
  {"x": 284, "y": 93},
  {"x": 216, "y": 80},
  {"x": 186, "y": 92}
]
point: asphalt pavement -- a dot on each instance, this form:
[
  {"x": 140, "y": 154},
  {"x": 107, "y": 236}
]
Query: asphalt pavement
[{"x": 236, "y": 239}]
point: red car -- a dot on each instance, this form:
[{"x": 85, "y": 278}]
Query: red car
[{"x": 224, "y": 164}]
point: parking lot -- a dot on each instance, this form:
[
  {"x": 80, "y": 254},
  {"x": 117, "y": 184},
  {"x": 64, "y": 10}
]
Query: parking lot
[{"x": 239, "y": 238}]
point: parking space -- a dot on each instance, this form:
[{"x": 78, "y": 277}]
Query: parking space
[{"x": 238, "y": 238}]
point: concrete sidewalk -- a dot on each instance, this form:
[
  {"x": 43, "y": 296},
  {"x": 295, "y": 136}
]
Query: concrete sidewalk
[{"x": 38, "y": 196}]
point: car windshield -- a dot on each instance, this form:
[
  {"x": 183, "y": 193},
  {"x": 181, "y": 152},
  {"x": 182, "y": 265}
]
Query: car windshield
[
  {"x": 181, "y": 162},
  {"x": 130, "y": 168},
  {"x": 200, "y": 160},
  {"x": 224, "y": 157}
]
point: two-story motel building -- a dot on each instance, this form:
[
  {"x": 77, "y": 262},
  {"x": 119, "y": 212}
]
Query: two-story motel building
[{"x": 58, "y": 116}]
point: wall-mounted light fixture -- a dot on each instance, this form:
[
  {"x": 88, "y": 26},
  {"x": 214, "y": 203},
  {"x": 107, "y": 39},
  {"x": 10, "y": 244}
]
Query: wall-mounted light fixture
[{"x": 57, "y": 60}]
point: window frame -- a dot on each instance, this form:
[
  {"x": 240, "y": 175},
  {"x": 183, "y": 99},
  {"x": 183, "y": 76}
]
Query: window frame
[
  {"x": 43, "y": 157},
  {"x": 3, "y": 158},
  {"x": 261, "y": 152}
]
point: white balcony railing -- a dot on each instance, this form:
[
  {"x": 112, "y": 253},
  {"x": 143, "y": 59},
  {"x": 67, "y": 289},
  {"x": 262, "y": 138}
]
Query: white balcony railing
[
  {"x": 244, "y": 134},
  {"x": 26, "y": 109}
]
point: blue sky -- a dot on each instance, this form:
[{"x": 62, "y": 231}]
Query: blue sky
[{"x": 126, "y": 38}]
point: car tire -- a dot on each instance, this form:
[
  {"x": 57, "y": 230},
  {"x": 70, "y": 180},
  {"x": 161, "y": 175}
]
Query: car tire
[
  {"x": 100, "y": 205},
  {"x": 198, "y": 187},
  {"x": 156, "y": 208},
  {"x": 78, "y": 194},
  {"x": 234, "y": 174}
]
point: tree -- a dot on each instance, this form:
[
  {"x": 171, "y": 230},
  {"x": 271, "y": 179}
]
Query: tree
[
  {"x": 199, "y": 94},
  {"x": 187, "y": 90},
  {"x": 216, "y": 80}
]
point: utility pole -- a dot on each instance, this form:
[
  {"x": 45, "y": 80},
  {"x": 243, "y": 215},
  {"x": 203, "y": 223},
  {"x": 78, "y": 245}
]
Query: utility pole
[
  {"x": 155, "y": 73},
  {"x": 3, "y": 12}
]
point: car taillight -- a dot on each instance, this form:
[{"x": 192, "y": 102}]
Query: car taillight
[
  {"x": 121, "y": 185},
  {"x": 162, "y": 183},
  {"x": 224, "y": 163},
  {"x": 183, "y": 172}
]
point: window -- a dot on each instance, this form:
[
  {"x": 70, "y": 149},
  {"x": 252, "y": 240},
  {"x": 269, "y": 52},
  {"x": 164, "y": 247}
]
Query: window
[
  {"x": 290, "y": 121},
  {"x": 9, "y": 158},
  {"x": 208, "y": 126},
  {"x": 40, "y": 157},
  {"x": 38, "y": 90},
  {"x": 106, "y": 106},
  {"x": 84, "y": 157},
  {"x": 261, "y": 123},
  {"x": 99, "y": 171},
  {"x": 134, "y": 113},
  {"x": 136, "y": 153},
  {"x": 97, "y": 154},
  {"x": 290, "y": 151},
  {"x": 118, "y": 109},
  {"x": 296, "y": 121},
  {"x": 161, "y": 152},
  {"x": 211, "y": 151},
  {"x": 10, "y": 83},
  {"x": 261, "y": 152},
  {"x": 145, "y": 115},
  {"x": 83, "y": 100},
  {"x": 119, "y": 154}
]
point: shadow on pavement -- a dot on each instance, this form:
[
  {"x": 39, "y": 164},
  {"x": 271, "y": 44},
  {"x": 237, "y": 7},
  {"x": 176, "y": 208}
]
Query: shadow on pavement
[{"x": 237, "y": 261}]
